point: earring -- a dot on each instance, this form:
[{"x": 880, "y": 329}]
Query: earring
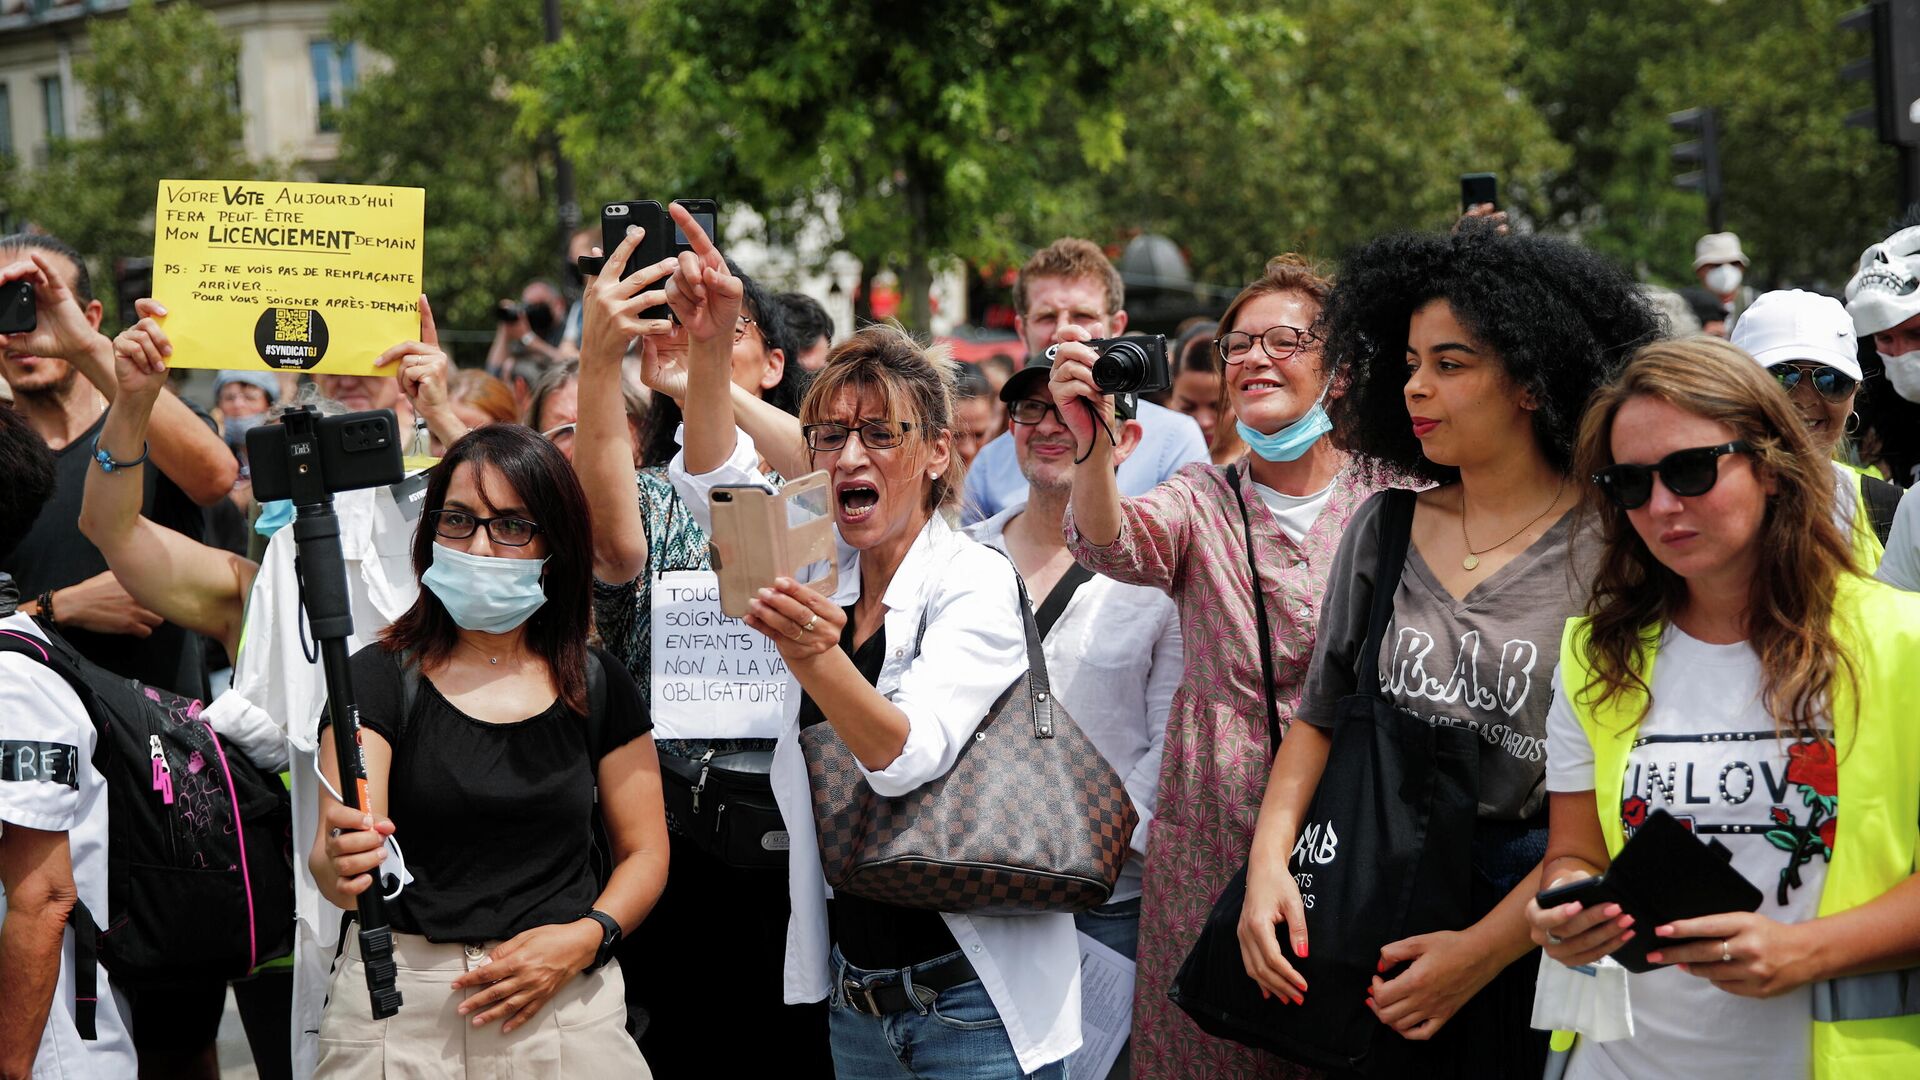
[
  {"x": 933, "y": 476},
  {"x": 1853, "y": 423}
]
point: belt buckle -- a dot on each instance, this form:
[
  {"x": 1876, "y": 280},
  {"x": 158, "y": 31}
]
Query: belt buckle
[{"x": 855, "y": 990}]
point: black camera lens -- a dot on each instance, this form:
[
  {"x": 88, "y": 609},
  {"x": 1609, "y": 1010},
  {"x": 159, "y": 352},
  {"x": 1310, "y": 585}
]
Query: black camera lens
[{"x": 1132, "y": 365}]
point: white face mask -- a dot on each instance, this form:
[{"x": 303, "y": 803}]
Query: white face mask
[
  {"x": 1903, "y": 372},
  {"x": 1725, "y": 278}
]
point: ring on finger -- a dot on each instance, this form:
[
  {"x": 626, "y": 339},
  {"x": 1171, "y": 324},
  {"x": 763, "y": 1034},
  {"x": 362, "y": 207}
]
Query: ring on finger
[
  {"x": 1726, "y": 951},
  {"x": 1553, "y": 939},
  {"x": 811, "y": 620}
]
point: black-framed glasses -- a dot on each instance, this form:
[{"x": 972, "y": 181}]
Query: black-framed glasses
[
  {"x": 740, "y": 325},
  {"x": 874, "y": 435},
  {"x": 1030, "y": 411},
  {"x": 459, "y": 524},
  {"x": 1686, "y": 473},
  {"x": 1279, "y": 343},
  {"x": 1830, "y": 383}
]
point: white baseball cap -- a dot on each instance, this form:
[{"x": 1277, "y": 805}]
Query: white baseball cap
[
  {"x": 1793, "y": 324},
  {"x": 1885, "y": 291}
]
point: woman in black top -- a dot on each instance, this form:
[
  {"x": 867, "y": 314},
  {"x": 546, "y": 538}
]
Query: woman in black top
[{"x": 485, "y": 742}]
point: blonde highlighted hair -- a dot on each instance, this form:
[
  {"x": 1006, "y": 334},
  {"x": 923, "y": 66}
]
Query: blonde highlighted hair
[
  {"x": 916, "y": 383},
  {"x": 1802, "y": 553}
]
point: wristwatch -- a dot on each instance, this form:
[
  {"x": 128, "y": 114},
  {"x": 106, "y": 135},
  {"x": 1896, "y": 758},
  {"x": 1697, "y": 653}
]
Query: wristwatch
[{"x": 609, "y": 938}]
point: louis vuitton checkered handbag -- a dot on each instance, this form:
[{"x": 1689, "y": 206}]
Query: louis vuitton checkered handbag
[{"x": 1031, "y": 818}]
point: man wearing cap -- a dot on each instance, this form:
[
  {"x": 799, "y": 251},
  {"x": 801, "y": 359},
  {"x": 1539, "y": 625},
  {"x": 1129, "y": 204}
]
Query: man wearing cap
[
  {"x": 1884, "y": 300},
  {"x": 1721, "y": 266},
  {"x": 1113, "y": 650},
  {"x": 1805, "y": 341},
  {"x": 1071, "y": 282}
]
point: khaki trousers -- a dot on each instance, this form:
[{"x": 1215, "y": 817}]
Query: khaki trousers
[{"x": 580, "y": 1032}]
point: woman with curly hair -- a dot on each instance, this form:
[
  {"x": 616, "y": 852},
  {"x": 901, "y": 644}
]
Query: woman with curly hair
[
  {"x": 1472, "y": 358},
  {"x": 1195, "y": 537},
  {"x": 1730, "y": 636}
]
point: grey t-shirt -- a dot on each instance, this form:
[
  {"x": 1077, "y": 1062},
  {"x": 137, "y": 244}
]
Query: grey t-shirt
[{"x": 1484, "y": 661}]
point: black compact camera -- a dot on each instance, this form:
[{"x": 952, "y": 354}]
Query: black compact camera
[
  {"x": 1129, "y": 365},
  {"x": 338, "y": 453},
  {"x": 16, "y": 308}
]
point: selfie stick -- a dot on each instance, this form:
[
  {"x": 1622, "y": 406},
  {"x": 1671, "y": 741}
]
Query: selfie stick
[{"x": 322, "y": 572}]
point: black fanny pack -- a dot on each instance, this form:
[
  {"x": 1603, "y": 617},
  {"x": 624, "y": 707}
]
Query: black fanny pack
[{"x": 723, "y": 803}]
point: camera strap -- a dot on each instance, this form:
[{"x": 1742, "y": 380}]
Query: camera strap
[{"x": 1259, "y": 614}]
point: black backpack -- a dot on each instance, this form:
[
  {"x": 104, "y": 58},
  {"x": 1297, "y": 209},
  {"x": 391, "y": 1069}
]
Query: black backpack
[{"x": 199, "y": 839}]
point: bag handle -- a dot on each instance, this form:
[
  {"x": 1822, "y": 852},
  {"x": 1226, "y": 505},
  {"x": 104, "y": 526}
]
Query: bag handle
[
  {"x": 1259, "y": 614},
  {"x": 1039, "y": 688},
  {"x": 1396, "y": 534}
]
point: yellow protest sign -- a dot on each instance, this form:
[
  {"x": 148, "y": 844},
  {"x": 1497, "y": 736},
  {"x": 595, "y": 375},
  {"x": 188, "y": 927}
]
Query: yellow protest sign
[{"x": 264, "y": 275}]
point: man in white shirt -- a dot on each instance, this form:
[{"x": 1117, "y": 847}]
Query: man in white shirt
[
  {"x": 1071, "y": 282},
  {"x": 1113, "y": 650},
  {"x": 53, "y": 828}
]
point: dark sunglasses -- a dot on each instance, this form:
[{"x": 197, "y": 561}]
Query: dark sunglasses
[
  {"x": 1828, "y": 382},
  {"x": 1686, "y": 473}
]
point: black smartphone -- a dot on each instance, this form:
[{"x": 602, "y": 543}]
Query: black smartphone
[
  {"x": 1477, "y": 188},
  {"x": 16, "y": 308},
  {"x": 356, "y": 450},
  {"x": 663, "y": 239}
]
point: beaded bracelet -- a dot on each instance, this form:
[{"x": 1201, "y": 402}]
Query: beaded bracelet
[{"x": 108, "y": 464}]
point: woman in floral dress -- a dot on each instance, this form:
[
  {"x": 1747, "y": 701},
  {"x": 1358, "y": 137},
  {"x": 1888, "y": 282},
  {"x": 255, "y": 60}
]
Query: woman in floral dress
[{"x": 1187, "y": 538}]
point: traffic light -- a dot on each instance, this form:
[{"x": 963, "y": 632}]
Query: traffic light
[
  {"x": 1700, "y": 154},
  {"x": 1892, "y": 66}
]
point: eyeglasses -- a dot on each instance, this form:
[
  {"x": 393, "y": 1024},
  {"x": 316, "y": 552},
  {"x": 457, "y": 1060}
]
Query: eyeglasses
[
  {"x": 1686, "y": 473},
  {"x": 1279, "y": 342},
  {"x": 1032, "y": 411},
  {"x": 740, "y": 328},
  {"x": 554, "y": 435},
  {"x": 874, "y": 435},
  {"x": 458, "y": 525},
  {"x": 1831, "y": 383}
]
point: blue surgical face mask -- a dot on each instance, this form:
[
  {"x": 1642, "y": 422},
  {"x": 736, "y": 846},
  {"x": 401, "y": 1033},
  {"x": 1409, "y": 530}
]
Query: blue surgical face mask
[
  {"x": 275, "y": 514},
  {"x": 485, "y": 593},
  {"x": 1296, "y": 438}
]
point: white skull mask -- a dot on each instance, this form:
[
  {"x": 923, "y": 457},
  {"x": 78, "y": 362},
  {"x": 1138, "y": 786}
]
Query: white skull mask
[{"x": 1886, "y": 290}]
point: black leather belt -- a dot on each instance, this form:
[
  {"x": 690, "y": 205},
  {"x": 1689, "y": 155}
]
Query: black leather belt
[{"x": 886, "y": 993}]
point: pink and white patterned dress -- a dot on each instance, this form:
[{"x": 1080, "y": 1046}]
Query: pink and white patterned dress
[{"x": 1185, "y": 538}]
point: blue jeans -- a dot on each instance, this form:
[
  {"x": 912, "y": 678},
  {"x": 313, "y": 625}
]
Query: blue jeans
[{"x": 959, "y": 1037}]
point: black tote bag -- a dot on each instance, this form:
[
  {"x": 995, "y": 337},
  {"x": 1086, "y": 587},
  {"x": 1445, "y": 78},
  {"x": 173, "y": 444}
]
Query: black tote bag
[{"x": 1385, "y": 853}]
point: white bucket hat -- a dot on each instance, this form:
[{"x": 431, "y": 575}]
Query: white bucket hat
[
  {"x": 1793, "y": 324},
  {"x": 1715, "y": 248},
  {"x": 1885, "y": 292}
]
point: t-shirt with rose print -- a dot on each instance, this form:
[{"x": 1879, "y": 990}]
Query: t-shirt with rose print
[{"x": 1708, "y": 753}]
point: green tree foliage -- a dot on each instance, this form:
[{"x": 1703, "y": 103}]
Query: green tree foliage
[
  {"x": 919, "y": 130},
  {"x": 439, "y": 117},
  {"x": 1352, "y": 119},
  {"x": 160, "y": 94},
  {"x": 1804, "y": 192}
]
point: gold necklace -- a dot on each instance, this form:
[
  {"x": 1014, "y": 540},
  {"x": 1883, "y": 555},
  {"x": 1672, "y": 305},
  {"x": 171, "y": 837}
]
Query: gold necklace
[{"x": 1472, "y": 561}]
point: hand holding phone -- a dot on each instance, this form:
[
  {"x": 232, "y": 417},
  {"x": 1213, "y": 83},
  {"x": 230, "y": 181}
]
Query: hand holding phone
[
  {"x": 760, "y": 534},
  {"x": 1479, "y": 189},
  {"x": 16, "y": 308}
]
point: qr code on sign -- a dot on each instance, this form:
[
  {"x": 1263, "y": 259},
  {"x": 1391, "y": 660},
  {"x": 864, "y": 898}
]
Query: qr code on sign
[{"x": 291, "y": 324}]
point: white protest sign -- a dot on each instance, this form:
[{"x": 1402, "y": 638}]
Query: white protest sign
[{"x": 713, "y": 677}]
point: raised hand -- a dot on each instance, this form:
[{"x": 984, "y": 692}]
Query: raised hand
[
  {"x": 704, "y": 294},
  {"x": 140, "y": 355},
  {"x": 1071, "y": 383},
  {"x": 62, "y": 328},
  {"x": 614, "y": 303},
  {"x": 423, "y": 378}
]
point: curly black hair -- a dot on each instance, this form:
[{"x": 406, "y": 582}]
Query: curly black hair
[{"x": 1562, "y": 319}]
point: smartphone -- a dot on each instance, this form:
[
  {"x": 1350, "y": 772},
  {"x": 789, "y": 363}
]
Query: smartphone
[
  {"x": 663, "y": 239},
  {"x": 1477, "y": 188},
  {"x": 16, "y": 308},
  {"x": 761, "y": 533}
]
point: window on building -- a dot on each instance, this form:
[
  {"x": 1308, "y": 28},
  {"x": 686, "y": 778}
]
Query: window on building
[
  {"x": 53, "y": 101},
  {"x": 6, "y": 122},
  {"x": 334, "y": 77}
]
